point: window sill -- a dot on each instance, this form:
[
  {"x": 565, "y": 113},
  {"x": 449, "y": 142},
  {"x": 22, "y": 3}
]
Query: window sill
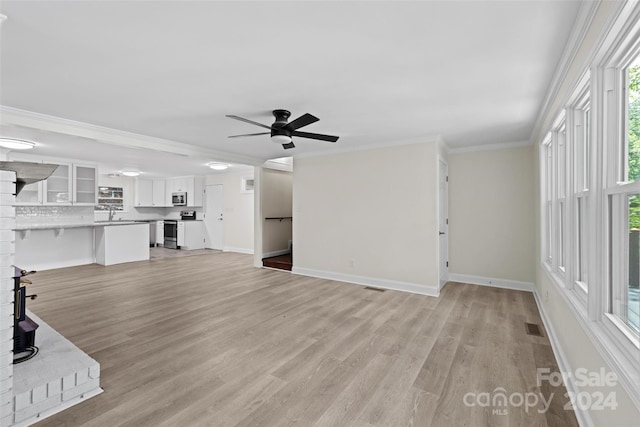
[{"x": 619, "y": 351}]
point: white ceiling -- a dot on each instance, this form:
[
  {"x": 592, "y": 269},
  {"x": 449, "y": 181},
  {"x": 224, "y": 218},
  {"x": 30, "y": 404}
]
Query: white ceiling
[{"x": 375, "y": 73}]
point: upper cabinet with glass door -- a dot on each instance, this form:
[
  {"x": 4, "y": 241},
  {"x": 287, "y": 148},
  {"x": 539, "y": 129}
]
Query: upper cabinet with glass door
[
  {"x": 69, "y": 184},
  {"x": 85, "y": 184},
  {"x": 57, "y": 188}
]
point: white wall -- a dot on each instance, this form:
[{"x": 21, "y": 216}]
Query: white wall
[
  {"x": 492, "y": 214},
  {"x": 238, "y": 211},
  {"x": 368, "y": 216},
  {"x": 276, "y": 199},
  {"x": 579, "y": 350}
]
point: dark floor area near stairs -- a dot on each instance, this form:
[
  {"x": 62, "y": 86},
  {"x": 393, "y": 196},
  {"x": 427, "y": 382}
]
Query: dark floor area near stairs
[{"x": 281, "y": 262}]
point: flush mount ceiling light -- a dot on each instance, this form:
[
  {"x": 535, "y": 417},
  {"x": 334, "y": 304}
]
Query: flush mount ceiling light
[
  {"x": 130, "y": 173},
  {"x": 16, "y": 144},
  {"x": 218, "y": 166}
]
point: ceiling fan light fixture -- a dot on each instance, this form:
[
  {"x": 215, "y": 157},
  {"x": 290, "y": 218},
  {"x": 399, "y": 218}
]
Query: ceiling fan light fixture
[
  {"x": 16, "y": 144},
  {"x": 130, "y": 173},
  {"x": 281, "y": 139},
  {"x": 218, "y": 166}
]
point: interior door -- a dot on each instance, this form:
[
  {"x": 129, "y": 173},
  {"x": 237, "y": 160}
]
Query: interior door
[
  {"x": 443, "y": 221},
  {"x": 213, "y": 218}
]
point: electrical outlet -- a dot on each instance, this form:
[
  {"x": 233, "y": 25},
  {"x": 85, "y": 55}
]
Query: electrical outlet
[{"x": 352, "y": 263}]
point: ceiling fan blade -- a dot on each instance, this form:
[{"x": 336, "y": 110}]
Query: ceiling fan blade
[
  {"x": 289, "y": 145},
  {"x": 242, "y": 119},
  {"x": 249, "y": 134},
  {"x": 304, "y": 120},
  {"x": 319, "y": 136}
]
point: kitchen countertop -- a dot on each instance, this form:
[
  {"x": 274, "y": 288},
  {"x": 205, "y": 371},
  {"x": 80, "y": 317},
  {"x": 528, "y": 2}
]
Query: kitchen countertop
[{"x": 51, "y": 226}]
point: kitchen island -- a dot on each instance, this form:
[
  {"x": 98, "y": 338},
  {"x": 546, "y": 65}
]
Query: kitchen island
[
  {"x": 45, "y": 246},
  {"x": 119, "y": 243}
]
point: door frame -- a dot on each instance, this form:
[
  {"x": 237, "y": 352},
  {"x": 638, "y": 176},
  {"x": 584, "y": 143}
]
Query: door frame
[{"x": 443, "y": 211}]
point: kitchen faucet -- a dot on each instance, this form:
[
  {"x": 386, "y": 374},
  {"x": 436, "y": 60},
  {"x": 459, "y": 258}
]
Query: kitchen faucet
[{"x": 112, "y": 210}]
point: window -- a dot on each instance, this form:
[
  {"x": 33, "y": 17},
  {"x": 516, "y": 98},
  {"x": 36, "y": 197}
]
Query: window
[
  {"x": 590, "y": 198},
  {"x": 625, "y": 204},
  {"x": 110, "y": 198},
  {"x": 580, "y": 112},
  {"x": 246, "y": 186}
]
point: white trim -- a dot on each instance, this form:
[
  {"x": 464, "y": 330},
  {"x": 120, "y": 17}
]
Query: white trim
[
  {"x": 394, "y": 285},
  {"x": 583, "y": 416},
  {"x": 490, "y": 281},
  {"x": 15, "y": 116},
  {"x": 270, "y": 164},
  {"x": 237, "y": 250},
  {"x": 275, "y": 253},
  {"x": 63, "y": 406},
  {"x": 440, "y": 140},
  {"x": 607, "y": 343},
  {"x": 488, "y": 147},
  {"x": 345, "y": 149},
  {"x": 576, "y": 38}
]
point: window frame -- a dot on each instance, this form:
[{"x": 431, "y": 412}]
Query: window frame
[{"x": 607, "y": 204}]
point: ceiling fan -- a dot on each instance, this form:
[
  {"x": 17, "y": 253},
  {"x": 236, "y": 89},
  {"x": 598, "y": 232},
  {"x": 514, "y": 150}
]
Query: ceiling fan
[{"x": 281, "y": 131}]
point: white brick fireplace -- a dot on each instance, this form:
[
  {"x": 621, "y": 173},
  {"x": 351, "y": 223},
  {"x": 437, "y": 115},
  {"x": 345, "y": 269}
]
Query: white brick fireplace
[{"x": 61, "y": 374}]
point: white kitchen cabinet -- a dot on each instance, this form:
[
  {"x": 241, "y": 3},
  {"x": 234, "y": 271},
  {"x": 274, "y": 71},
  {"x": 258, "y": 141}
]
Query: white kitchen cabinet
[
  {"x": 70, "y": 184},
  {"x": 181, "y": 236},
  {"x": 192, "y": 185},
  {"x": 159, "y": 193},
  {"x": 57, "y": 189},
  {"x": 195, "y": 188},
  {"x": 191, "y": 234},
  {"x": 160, "y": 233},
  {"x": 85, "y": 184},
  {"x": 143, "y": 192},
  {"x": 31, "y": 194},
  {"x": 150, "y": 193}
]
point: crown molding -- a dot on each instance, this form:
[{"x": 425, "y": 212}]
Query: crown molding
[
  {"x": 16, "y": 117},
  {"x": 341, "y": 150},
  {"x": 501, "y": 146},
  {"x": 584, "y": 19}
]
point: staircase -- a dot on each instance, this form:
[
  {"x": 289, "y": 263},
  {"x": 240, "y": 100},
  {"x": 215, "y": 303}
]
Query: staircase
[{"x": 281, "y": 262}]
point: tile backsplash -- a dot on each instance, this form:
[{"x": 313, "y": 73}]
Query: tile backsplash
[{"x": 54, "y": 214}]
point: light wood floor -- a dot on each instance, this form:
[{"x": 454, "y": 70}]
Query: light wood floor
[{"x": 211, "y": 341}]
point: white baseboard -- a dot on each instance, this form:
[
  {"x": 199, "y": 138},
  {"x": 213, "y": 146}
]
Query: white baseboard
[
  {"x": 275, "y": 253},
  {"x": 489, "y": 281},
  {"x": 432, "y": 291},
  {"x": 238, "y": 250},
  {"x": 65, "y": 264},
  {"x": 584, "y": 419}
]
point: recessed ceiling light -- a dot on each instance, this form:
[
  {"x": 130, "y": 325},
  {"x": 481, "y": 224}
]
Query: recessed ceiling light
[
  {"x": 16, "y": 144},
  {"x": 130, "y": 173},
  {"x": 218, "y": 166}
]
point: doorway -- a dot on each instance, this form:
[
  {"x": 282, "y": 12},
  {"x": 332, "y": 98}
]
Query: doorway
[
  {"x": 443, "y": 221},
  {"x": 213, "y": 216}
]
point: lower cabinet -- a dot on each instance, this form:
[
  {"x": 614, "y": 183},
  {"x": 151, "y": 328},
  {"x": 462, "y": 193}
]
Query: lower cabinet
[
  {"x": 160, "y": 233},
  {"x": 191, "y": 234}
]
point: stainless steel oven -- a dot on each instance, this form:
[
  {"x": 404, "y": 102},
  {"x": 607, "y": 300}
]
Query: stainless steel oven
[{"x": 171, "y": 234}]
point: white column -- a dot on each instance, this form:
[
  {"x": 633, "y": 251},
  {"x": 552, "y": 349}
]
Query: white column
[{"x": 7, "y": 252}]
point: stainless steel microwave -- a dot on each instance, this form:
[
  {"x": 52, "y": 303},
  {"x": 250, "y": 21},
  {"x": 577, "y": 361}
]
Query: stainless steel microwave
[{"x": 179, "y": 199}]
